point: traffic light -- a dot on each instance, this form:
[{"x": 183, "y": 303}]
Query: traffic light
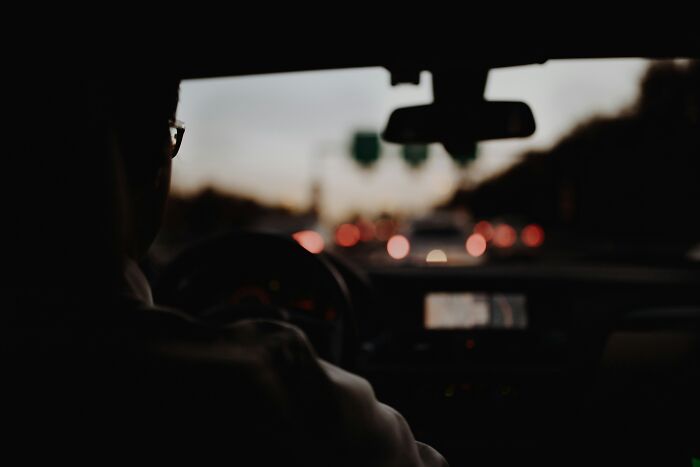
[
  {"x": 415, "y": 154},
  {"x": 462, "y": 153},
  {"x": 366, "y": 148}
]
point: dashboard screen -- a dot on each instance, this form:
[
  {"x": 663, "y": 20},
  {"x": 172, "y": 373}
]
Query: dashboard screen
[{"x": 467, "y": 310}]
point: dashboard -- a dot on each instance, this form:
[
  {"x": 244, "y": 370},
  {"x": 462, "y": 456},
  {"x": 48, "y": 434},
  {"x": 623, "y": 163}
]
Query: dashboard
[
  {"x": 476, "y": 357},
  {"x": 511, "y": 355}
]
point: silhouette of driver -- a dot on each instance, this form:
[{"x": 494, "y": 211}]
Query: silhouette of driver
[{"x": 312, "y": 412}]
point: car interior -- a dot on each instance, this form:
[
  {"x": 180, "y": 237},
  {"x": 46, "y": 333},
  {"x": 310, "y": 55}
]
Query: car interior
[{"x": 504, "y": 325}]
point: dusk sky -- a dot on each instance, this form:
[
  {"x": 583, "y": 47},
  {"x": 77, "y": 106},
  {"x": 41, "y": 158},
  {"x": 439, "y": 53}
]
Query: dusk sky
[{"x": 268, "y": 137}]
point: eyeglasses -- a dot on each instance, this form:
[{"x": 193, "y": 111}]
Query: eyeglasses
[{"x": 177, "y": 130}]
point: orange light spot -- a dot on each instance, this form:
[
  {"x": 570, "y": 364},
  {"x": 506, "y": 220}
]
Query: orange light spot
[
  {"x": 310, "y": 240},
  {"x": 249, "y": 294},
  {"x": 476, "y": 245},
  {"x": 306, "y": 304},
  {"x": 485, "y": 229},
  {"x": 384, "y": 229},
  {"x": 504, "y": 236},
  {"x": 330, "y": 314},
  {"x": 347, "y": 235},
  {"x": 398, "y": 247},
  {"x": 532, "y": 236},
  {"x": 366, "y": 230}
]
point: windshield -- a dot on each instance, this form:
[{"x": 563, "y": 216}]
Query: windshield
[{"x": 300, "y": 153}]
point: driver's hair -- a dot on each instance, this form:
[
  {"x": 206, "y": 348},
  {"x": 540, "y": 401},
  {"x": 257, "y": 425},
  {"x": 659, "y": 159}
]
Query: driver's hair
[{"x": 141, "y": 108}]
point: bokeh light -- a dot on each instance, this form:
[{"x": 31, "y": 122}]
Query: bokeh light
[
  {"x": 398, "y": 247},
  {"x": 476, "y": 245},
  {"x": 384, "y": 229},
  {"x": 436, "y": 256},
  {"x": 532, "y": 236},
  {"x": 347, "y": 235},
  {"x": 504, "y": 236},
  {"x": 366, "y": 230},
  {"x": 312, "y": 241},
  {"x": 485, "y": 229}
]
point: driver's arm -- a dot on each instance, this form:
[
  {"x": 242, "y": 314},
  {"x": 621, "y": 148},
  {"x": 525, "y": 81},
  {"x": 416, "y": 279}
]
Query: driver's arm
[
  {"x": 374, "y": 431},
  {"x": 333, "y": 405},
  {"x": 319, "y": 413}
]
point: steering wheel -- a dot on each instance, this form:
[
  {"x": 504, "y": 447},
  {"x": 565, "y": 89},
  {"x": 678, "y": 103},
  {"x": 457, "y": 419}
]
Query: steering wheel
[{"x": 247, "y": 274}]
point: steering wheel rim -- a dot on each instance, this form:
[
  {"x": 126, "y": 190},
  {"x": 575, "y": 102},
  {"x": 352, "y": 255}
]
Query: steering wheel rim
[{"x": 210, "y": 266}]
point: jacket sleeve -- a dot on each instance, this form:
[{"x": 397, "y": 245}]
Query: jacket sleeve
[{"x": 324, "y": 403}]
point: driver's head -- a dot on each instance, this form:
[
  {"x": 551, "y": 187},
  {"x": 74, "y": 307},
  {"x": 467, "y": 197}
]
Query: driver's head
[{"x": 144, "y": 117}]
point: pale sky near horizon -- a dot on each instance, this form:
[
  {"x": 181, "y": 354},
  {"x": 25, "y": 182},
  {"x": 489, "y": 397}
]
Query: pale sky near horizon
[{"x": 267, "y": 137}]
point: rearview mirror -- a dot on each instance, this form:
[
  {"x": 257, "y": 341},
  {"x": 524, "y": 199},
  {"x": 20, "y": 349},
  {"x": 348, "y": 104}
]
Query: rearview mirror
[{"x": 458, "y": 128}]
